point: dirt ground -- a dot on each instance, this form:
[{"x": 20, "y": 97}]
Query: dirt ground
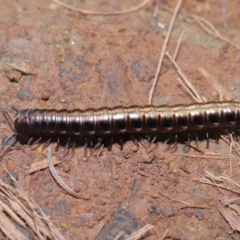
[{"x": 54, "y": 57}]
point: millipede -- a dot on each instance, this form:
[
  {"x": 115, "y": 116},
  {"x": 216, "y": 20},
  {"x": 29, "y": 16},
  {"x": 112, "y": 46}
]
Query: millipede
[{"x": 155, "y": 120}]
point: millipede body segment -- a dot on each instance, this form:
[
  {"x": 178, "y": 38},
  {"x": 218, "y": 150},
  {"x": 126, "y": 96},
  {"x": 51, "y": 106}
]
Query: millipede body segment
[{"x": 128, "y": 120}]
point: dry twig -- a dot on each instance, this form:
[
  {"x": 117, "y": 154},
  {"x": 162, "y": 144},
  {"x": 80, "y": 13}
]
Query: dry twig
[
  {"x": 89, "y": 12},
  {"x": 172, "y": 199},
  {"x": 16, "y": 207},
  {"x": 164, "y": 48},
  {"x": 194, "y": 94},
  {"x": 231, "y": 216},
  {"x": 37, "y": 166},
  {"x": 165, "y": 234},
  {"x": 221, "y": 182},
  {"x": 60, "y": 181},
  {"x": 178, "y": 46},
  {"x": 206, "y": 26},
  {"x": 210, "y": 29},
  {"x": 204, "y": 156},
  {"x": 23, "y": 70}
]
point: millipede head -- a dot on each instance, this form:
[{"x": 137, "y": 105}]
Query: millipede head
[{"x": 21, "y": 123}]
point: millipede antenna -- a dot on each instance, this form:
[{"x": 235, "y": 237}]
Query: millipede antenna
[{"x": 9, "y": 119}]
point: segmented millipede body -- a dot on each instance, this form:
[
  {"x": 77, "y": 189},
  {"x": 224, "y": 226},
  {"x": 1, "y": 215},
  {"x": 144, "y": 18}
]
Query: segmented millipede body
[{"x": 129, "y": 120}]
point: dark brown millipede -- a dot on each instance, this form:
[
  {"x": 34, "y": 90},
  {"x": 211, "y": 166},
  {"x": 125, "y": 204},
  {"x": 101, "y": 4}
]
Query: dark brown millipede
[{"x": 127, "y": 120}]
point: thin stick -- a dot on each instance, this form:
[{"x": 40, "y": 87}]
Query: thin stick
[
  {"x": 194, "y": 206},
  {"x": 9, "y": 119},
  {"x": 20, "y": 69},
  {"x": 221, "y": 182},
  {"x": 42, "y": 165},
  {"x": 89, "y": 12},
  {"x": 59, "y": 180},
  {"x": 25, "y": 208},
  {"x": 224, "y": 19},
  {"x": 187, "y": 82},
  {"x": 174, "y": 200},
  {"x": 235, "y": 145},
  {"x": 179, "y": 3},
  {"x": 211, "y": 176},
  {"x": 210, "y": 29},
  {"x": 178, "y": 46},
  {"x": 202, "y": 156},
  {"x": 187, "y": 89},
  {"x": 166, "y": 232}
]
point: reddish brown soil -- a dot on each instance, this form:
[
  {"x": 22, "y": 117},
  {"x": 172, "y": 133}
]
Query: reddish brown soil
[{"x": 76, "y": 61}]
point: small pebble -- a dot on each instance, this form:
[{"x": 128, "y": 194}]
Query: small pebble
[
  {"x": 167, "y": 210},
  {"x": 199, "y": 214},
  {"x": 66, "y": 167},
  {"x": 85, "y": 159},
  {"x": 100, "y": 201},
  {"x": 45, "y": 96},
  {"x": 62, "y": 100},
  {"x": 18, "y": 146},
  {"x": 25, "y": 94},
  {"x": 13, "y": 75},
  {"x": 188, "y": 212},
  {"x": 152, "y": 209},
  {"x": 62, "y": 208}
]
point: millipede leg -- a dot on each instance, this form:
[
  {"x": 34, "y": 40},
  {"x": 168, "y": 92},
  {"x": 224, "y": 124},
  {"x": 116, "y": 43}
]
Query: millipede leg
[
  {"x": 67, "y": 146},
  {"x": 121, "y": 144},
  {"x": 228, "y": 135},
  {"x": 145, "y": 141},
  {"x": 174, "y": 147},
  {"x": 109, "y": 147},
  {"x": 38, "y": 142},
  {"x": 185, "y": 148},
  {"x": 135, "y": 142},
  {"x": 30, "y": 141},
  {"x": 207, "y": 145},
  {"x": 189, "y": 139},
  {"x": 196, "y": 140},
  {"x": 46, "y": 144},
  {"x": 58, "y": 144},
  {"x": 148, "y": 137},
  {"x": 70, "y": 146},
  {"x": 167, "y": 141},
  {"x": 91, "y": 143},
  {"x": 85, "y": 147},
  {"x": 99, "y": 143},
  {"x": 235, "y": 137},
  {"x": 91, "y": 147},
  {"x": 73, "y": 149},
  {"x": 87, "y": 153},
  {"x": 154, "y": 139}
]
